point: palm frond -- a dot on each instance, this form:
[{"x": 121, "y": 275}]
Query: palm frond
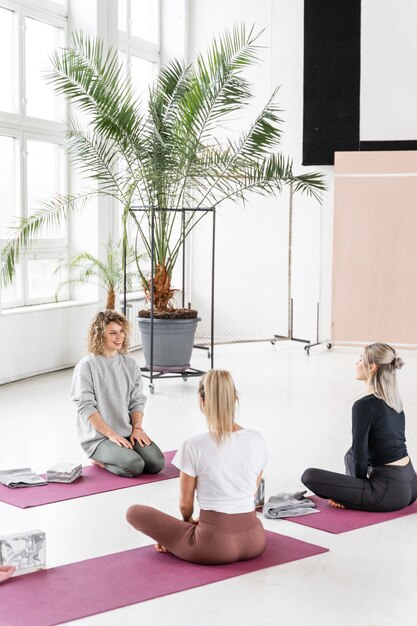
[
  {"x": 49, "y": 216},
  {"x": 94, "y": 83},
  {"x": 96, "y": 158},
  {"x": 269, "y": 175}
]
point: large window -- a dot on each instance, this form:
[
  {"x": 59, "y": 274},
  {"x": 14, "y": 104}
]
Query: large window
[
  {"x": 139, "y": 53},
  {"x": 139, "y": 50},
  {"x": 33, "y": 163}
]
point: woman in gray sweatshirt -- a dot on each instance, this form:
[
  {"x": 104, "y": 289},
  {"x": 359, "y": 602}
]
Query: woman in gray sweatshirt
[{"x": 107, "y": 390}]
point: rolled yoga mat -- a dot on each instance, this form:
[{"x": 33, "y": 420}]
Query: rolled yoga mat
[
  {"x": 109, "y": 582},
  {"x": 342, "y": 520},
  {"x": 94, "y": 480}
]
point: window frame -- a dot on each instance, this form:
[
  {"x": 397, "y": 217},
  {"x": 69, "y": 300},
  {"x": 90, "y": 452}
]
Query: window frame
[
  {"x": 130, "y": 45},
  {"x": 26, "y": 128},
  {"x": 135, "y": 46},
  {"x": 127, "y": 38}
]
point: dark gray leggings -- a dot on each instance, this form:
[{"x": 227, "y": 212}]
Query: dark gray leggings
[
  {"x": 388, "y": 488},
  {"x": 130, "y": 463}
]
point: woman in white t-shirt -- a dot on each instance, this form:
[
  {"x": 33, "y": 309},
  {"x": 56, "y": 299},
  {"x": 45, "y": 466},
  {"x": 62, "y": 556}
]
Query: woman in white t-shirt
[{"x": 223, "y": 466}]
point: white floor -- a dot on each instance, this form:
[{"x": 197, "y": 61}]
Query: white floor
[{"x": 302, "y": 406}]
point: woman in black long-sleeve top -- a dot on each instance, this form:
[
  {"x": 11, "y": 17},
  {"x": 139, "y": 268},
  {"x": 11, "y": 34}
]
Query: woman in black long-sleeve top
[{"x": 380, "y": 476}]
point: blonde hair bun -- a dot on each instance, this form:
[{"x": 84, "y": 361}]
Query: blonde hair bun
[
  {"x": 383, "y": 381},
  {"x": 398, "y": 363}
]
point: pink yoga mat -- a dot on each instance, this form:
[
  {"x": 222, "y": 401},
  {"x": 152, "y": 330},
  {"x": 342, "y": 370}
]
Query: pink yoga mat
[
  {"x": 109, "y": 582},
  {"x": 94, "y": 480},
  {"x": 342, "y": 520}
]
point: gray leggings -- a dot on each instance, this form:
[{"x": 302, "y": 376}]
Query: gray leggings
[{"x": 130, "y": 463}]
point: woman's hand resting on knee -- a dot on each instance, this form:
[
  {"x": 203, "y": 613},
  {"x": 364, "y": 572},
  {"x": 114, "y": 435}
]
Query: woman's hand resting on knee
[
  {"x": 120, "y": 441},
  {"x": 139, "y": 435}
]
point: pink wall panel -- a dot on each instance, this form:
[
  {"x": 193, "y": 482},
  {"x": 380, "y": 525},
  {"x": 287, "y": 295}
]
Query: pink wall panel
[{"x": 375, "y": 252}]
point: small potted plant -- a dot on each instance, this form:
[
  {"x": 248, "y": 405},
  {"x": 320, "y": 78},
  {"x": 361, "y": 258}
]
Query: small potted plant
[{"x": 108, "y": 273}]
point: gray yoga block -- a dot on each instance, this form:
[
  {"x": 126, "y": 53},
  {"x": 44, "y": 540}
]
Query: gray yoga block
[{"x": 26, "y": 551}]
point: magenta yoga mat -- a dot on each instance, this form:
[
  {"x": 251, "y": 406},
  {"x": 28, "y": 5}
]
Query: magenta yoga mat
[
  {"x": 94, "y": 480},
  {"x": 89, "y": 587},
  {"x": 342, "y": 520}
]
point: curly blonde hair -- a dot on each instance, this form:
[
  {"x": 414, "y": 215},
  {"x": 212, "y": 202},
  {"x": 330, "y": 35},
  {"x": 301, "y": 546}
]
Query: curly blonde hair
[{"x": 95, "y": 339}]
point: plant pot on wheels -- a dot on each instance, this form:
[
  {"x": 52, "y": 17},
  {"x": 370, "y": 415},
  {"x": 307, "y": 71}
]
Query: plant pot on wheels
[{"x": 173, "y": 339}]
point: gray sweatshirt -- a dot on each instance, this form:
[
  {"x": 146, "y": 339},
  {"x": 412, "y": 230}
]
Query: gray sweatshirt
[{"x": 113, "y": 387}]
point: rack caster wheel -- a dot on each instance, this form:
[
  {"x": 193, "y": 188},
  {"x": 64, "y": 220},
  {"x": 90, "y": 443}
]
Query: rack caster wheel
[
  {"x": 185, "y": 377},
  {"x": 151, "y": 388},
  {"x": 329, "y": 345},
  {"x": 273, "y": 342},
  {"x": 307, "y": 349},
  {"x": 209, "y": 355}
]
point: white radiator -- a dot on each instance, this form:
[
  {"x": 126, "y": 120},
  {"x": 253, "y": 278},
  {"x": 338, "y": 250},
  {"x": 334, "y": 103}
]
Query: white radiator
[{"x": 132, "y": 308}]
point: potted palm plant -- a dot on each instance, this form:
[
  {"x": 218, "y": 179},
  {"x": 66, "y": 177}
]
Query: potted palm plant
[{"x": 165, "y": 153}]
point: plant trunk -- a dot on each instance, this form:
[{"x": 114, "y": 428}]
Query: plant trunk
[
  {"x": 111, "y": 299},
  {"x": 162, "y": 290}
]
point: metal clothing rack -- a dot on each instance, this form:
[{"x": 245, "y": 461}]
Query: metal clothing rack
[
  {"x": 290, "y": 333},
  {"x": 190, "y": 372}
]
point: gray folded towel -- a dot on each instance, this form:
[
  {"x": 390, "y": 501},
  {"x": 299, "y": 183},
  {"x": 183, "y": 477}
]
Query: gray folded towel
[
  {"x": 21, "y": 477},
  {"x": 288, "y": 505}
]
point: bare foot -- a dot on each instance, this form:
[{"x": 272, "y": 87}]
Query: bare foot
[
  {"x": 94, "y": 462},
  {"x": 160, "y": 548},
  {"x": 336, "y": 505}
]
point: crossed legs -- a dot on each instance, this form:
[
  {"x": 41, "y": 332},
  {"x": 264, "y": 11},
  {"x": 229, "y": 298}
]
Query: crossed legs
[{"x": 218, "y": 538}]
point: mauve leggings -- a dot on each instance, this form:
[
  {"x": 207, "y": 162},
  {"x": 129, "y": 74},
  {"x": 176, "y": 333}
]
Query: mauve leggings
[
  {"x": 389, "y": 487},
  {"x": 217, "y": 538}
]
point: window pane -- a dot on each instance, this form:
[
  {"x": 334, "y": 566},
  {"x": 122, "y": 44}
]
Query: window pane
[
  {"x": 46, "y": 177},
  {"x": 8, "y": 62},
  {"x": 143, "y": 75},
  {"x": 122, "y": 7},
  {"x": 144, "y": 14},
  {"x": 12, "y": 295},
  {"x": 42, "y": 282},
  {"x": 41, "y": 40},
  {"x": 9, "y": 183},
  {"x": 123, "y": 63}
]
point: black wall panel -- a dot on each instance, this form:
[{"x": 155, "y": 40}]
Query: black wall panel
[
  {"x": 410, "y": 144},
  {"x": 331, "y": 79}
]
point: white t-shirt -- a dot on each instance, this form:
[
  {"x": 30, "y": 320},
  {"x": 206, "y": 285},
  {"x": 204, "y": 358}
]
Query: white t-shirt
[{"x": 226, "y": 472}]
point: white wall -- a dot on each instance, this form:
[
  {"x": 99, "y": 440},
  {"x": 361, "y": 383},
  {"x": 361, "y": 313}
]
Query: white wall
[
  {"x": 258, "y": 266},
  {"x": 43, "y": 339},
  {"x": 388, "y": 70},
  {"x": 388, "y": 107}
]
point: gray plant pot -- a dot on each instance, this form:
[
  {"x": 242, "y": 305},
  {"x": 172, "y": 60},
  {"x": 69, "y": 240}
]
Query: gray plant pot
[{"x": 173, "y": 342}]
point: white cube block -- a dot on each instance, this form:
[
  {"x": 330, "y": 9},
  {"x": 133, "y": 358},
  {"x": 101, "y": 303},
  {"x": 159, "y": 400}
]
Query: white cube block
[
  {"x": 64, "y": 473},
  {"x": 26, "y": 551}
]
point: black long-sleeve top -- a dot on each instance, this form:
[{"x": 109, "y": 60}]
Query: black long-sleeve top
[{"x": 378, "y": 434}]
